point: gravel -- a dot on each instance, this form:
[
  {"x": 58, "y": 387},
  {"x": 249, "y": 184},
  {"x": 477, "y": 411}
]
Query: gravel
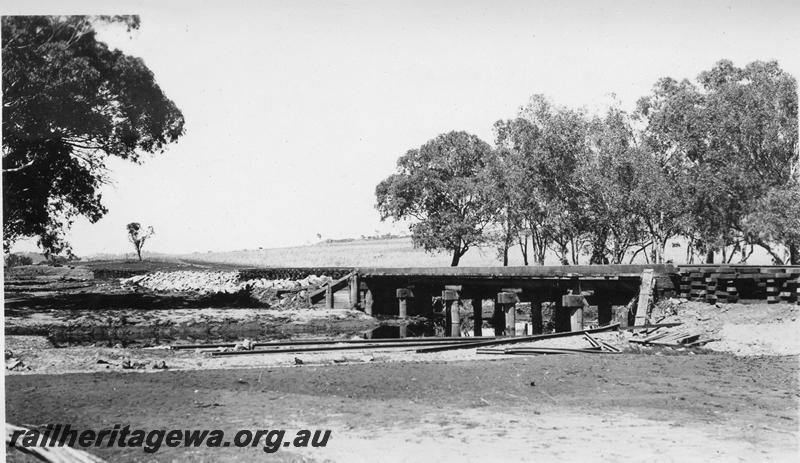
[{"x": 211, "y": 282}]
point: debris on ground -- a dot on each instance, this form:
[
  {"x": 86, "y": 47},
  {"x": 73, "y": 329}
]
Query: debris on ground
[
  {"x": 675, "y": 337},
  {"x": 160, "y": 365},
  {"x": 246, "y": 344},
  {"x": 742, "y": 328},
  {"x": 130, "y": 365},
  {"x": 13, "y": 363},
  {"x": 210, "y": 282}
]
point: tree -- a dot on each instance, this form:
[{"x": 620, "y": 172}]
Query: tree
[
  {"x": 542, "y": 148},
  {"x": 630, "y": 198},
  {"x": 442, "y": 187},
  {"x": 69, "y": 102},
  {"x": 138, "y": 236},
  {"x": 509, "y": 228},
  {"x": 775, "y": 219},
  {"x": 608, "y": 175},
  {"x": 732, "y": 137}
]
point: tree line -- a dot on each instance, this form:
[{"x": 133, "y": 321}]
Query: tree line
[{"x": 712, "y": 161}]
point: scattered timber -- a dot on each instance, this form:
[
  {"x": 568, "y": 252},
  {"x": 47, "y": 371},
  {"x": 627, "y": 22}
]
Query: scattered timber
[
  {"x": 671, "y": 339},
  {"x": 542, "y": 350},
  {"x": 600, "y": 344},
  {"x": 382, "y": 345},
  {"x": 609, "y": 347},
  {"x": 591, "y": 340},
  {"x": 654, "y": 325},
  {"x": 514, "y": 340},
  {"x": 308, "y": 342}
]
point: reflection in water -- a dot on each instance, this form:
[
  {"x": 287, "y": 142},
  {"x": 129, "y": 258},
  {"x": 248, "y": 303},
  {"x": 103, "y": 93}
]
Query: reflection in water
[{"x": 407, "y": 330}]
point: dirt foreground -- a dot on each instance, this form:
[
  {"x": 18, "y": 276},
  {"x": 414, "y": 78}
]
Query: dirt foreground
[{"x": 630, "y": 407}]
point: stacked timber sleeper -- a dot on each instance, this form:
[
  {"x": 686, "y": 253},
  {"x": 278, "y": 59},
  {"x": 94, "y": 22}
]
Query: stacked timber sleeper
[
  {"x": 729, "y": 283},
  {"x": 673, "y": 338}
]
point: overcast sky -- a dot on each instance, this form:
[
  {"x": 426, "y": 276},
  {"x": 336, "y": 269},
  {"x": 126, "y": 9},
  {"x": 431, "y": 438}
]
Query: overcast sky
[{"x": 295, "y": 110}]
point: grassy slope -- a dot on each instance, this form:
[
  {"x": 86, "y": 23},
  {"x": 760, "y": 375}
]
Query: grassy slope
[
  {"x": 394, "y": 252},
  {"x": 391, "y": 252}
]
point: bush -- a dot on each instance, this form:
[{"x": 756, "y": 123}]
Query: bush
[{"x": 15, "y": 260}]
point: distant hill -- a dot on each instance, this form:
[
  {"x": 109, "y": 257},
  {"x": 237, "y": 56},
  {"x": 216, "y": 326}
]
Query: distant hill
[
  {"x": 372, "y": 252},
  {"x": 389, "y": 252}
]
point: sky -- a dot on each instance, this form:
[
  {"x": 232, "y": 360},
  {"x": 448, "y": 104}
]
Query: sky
[{"x": 296, "y": 110}]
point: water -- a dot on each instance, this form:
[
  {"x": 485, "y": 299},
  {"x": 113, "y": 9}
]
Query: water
[{"x": 406, "y": 330}]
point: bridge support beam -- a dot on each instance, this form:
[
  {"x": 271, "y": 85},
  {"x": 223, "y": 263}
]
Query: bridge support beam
[
  {"x": 449, "y": 297},
  {"x": 368, "y": 302},
  {"x": 507, "y": 304},
  {"x": 354, "y": 291},
  {"x": 536, "y": 317},
  {"x": 403, "y": 295},
  {"x": 574, "y": 304},
  {"x": 328, "y": 296},
  {"x": 477, "y": 316}
]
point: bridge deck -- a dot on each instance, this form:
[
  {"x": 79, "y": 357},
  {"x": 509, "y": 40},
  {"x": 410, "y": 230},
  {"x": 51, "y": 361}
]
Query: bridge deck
[{"x": 526, "y": 272}]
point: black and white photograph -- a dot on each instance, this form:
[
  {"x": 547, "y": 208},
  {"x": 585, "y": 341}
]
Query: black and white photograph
[{"x": 401, "y": 231}]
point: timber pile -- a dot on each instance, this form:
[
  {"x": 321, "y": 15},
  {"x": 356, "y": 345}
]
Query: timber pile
[
  {"x": 542, "y": 351},
  {"x": 516, "y": 340},
  {"x": 729, "y": 283},
  {"x": 335, "y": 345},
  {"x": 596, "y": 347},
  {"x": 422, "y": 345},
  {"x": 673, "y": 338}
]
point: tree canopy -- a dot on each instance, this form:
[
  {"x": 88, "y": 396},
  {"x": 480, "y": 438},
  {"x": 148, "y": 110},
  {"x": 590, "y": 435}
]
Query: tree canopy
[
  {"x": 542, "y": 148},
  {"x": 442, "y": 185},
  {"x": 733, "y": 135},
  {"x": 713, "y": 161},
  {"x": 70, "y": 102}
]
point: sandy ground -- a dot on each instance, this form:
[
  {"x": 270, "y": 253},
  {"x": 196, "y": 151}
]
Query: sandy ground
[{"x": 629, "y": 407}]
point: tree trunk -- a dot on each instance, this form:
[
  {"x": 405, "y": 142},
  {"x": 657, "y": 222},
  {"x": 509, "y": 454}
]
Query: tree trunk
[
  {"x": 794, "y": 254},
  {"x": 776, "y": 259},
  {"x": 563, "y": 254},
  {"x": 456, "y": 257},
  {"x": 599, "y": 248},
  {"x": 523, "y": 247},
  {"x": 710, "y": 256},
  {"x": 574, "y": 250}
]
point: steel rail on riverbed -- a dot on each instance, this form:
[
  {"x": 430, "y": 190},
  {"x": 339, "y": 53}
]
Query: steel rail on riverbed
[
  {"x": 497, "y": 342},
  {"x": 464, "y": 343},
  {"x": 307, "y": 342},
  {"x": 382, "y": 345}
]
